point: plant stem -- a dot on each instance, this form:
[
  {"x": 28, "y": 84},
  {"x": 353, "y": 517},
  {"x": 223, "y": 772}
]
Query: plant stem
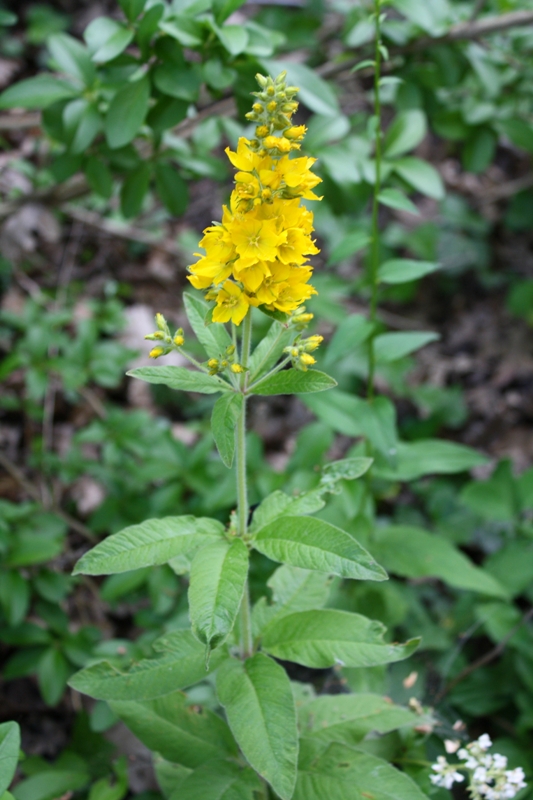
[
  {"x": 246, "y": 643},
  {"x": 374, "y": 253}
]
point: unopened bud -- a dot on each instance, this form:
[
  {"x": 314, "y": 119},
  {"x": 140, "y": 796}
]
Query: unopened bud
[
  {"x": 161, "y": 322},
  {"x": 237, "y": 368},
  {"x": 155, "y": 352}
]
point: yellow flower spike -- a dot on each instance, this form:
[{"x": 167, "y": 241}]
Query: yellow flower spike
[{"x": 155, "y": 352}]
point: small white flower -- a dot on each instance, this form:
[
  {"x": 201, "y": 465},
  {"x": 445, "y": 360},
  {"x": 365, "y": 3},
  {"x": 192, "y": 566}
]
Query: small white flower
[
  {"x": 498, "y": 761},
  {"x": 484, "y": 741},
  {"x": 480, "y": 774},
  {"x": 516, "y": 776}
]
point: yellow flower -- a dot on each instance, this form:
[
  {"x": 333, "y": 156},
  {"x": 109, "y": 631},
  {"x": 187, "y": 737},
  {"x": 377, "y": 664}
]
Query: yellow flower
[
  {"x": 155, "y": 352},
  {"x": 306, "y": 361},
  {"x": 255, "y": 240},
  {"x": 296, "y": 247},
  {"x": 178, "y": 340},
  {"x": 232, "y": 304},
  {"x": 252, "y": 277},
  {"x": 244, "y": 159}
]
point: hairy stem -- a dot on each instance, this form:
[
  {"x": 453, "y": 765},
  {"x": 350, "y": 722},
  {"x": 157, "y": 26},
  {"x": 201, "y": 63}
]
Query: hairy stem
[
  {"x": 246, "y": 643},
  {"x": 374, "y": 253}
]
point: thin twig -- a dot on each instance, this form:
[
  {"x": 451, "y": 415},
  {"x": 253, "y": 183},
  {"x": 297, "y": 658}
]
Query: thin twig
[
  {"x": 33, "y": 492},
  {"x": 485, "y": 659}
]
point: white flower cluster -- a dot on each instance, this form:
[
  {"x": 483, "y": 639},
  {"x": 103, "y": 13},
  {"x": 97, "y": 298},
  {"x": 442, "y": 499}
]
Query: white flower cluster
[{"x": 489, "y": 778}]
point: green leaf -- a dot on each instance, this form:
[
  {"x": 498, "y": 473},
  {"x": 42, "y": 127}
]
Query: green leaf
[
  {"x": 225, "y": 8},
  {"x": 519, "y": 132},
  {"x": 269, "y": 350},
  {"x": 179, "y": 663},
  {"x": 148, "y": 544},
  {"x": 218, "y": 576},
  {"x": 177, "y": 730},
  {"x": 421, "y": 176},
  {"x": 224, "y": 418},
  {"x": 233, "y": 38},
  {"x": 392, "y": 346},
  {"x": 426, "y": 456},
  {"x": 114, "y": 45},
  {"x": 99, "y": 177},
  {"x": 172, "y": 189},
  {"x": 72, "y": 57},
  {"x": 511, "y": 566},
  {"x": 7, "y": 18},
  {"x": 349, "y": 718},
  {"x": 134, "y": 190},
  {"x": 353, "y": 416},
  {"x": 38, "y": 92},
  {"x": 407, "y": 130},
  {"x": 50, "y": 784},
  {"x": 352, "y": 331},
  {"x": 433, "y": 17},
  {"x": 414, "y": 553},
  {"x": 219, "y": 780},
  {"x": 127, "y": 112},
  {"x": 187, "y": 380},
  {"x": 82, "y": 123},
  {"x": 294, "y": 381},
  {"x": 9, "y": 753},
  {"x": 317, "y": 545},
  {"x": 314, "y": 92},
  {"x": 52, "y": 674},
  {"x": 325, "y": 637},
  {"x": 15, "y": 593},
  {"x": 402, "y": 270},
  {"x": 214, "y": 338},
  {"x": 185, "y": 30},
  {"x": 352, "y": 243},
  {"x": 339, "y": 772},
  {"x": 178, "y": 81},
  {"x": 293, "y": 589},
  {"x": 495, "y": 498},
  {"x": 259, "y": 705},
  {"x": 394, "y": 198}
]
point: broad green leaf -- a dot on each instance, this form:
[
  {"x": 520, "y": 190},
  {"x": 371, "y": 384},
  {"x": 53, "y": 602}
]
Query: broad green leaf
[
  {"x": 421, "y": 175},
  {"x": 394, "y": 198},
  {"x": 223, "y": 422},
  {"x": 169, "y": 776},
  {"x": 519, "y": 132},
  {"x": 294, "y": 381},
  {"x": 99, "y": 31},
  {"x": 88, "y": 124},
  {"x": 269, "y": 349},
  {"x": 127, "y": 112},
  {"x": 325, "y": 637},
  {"x": 171, "y": 189},
  {"x": 177, "y": 730},
  {"x": 314, "y": 92},
  {"x": 339, "y": 772},
  {"x": 392, "y": 346},
  {"x": 218, "y": 576},
  {"x": 405, "y": 132},
  {"x": 52, "y": 674},
  {"x": 114, "y": 45},
  {"x": 178, "y": 81},
  {"x": 426, "y": 456},
  {"x": 134, "y": 190},
  {"x": 233, "y": 38},
  {"x": 351, "y": 244},
  {"x": 402, "y": 270},
  {"x": 148, "y": 544},
  {"x": 214, "y": 338},
  {"x": 225, "y": 8},
  {"x": 185, "y": 30},
  {"x": 219, "y": 780},
  {"x": 259, "y": 705},
  {"x": 9, "y": 753},
  {"x": 433, "y": 17},
  {"x": 38, "y": 92},
  {"x": 187, "y": 380},
  {"x": 413, "y": 553},
  {"x": 352, "y": 331},
  {"x": 99, "y": 177},
  {"x": 72, "y": 57},
  {"x": 50, "y": 784},
  {"x": 293, "y": 589},
  {"x": 179, "y": 663},
  {"x": 314, "y": 544},
  {"x": 349, "y": 718},
  {"x": 496, "y": 498},
  {"x": 353, "y": 416},
  {"x": 511, "y": 566}
]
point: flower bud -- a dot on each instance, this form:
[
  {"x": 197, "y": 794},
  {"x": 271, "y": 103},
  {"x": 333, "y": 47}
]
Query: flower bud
[
  {"x": 296, "y": 132},
  {"x": 237, "y": 368},
  {"x": 155, "y": 352},
  {"x": 261, "y": 131}
]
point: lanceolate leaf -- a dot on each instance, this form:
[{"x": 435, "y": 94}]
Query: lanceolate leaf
[
  {"x": 392, "y": 346},
  {"x": 153, "y": 542},
  {"x": 349, "y": 718},
  {"x": 223, "y": 422},
  {"x": 293, "y": 589},
  {"x": 327, "y": 637},
  {"x": 127, "y": 112},
  {"x": 269, "y": 349},
  {"x": 339, "y": 772},
  {"x": 180, "y": 663},
  {"x": 9, "y": 753},
  {"x": 314, "y": 544},
  {"x": 176, "y": 729},
  {"x": 219, "y": 780},
  {"x": 426, "y": 456},
  {"x": 294, "y": 381},
  {"x": 180, "y": 378},
  {"x": 38, "y": 92},
  {"x": 214, "y": 338},
  {"x": 401, "y": 270},
  {"x": 218, "y": 577},
  {"x": 257, "y": 697}
]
